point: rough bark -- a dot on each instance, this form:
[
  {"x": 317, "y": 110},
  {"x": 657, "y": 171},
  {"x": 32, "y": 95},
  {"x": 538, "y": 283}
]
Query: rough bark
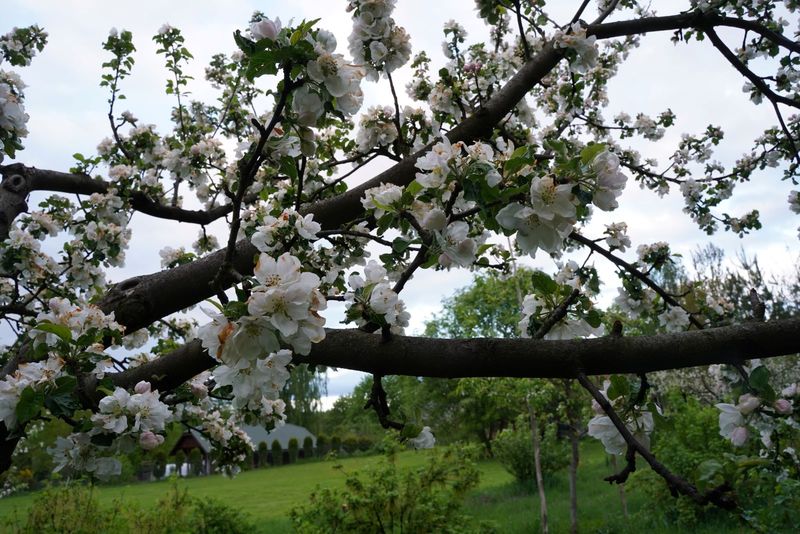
[{"x": 524, "y": 358}]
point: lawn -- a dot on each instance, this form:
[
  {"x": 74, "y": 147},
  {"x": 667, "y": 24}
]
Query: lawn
[{"x": 268, "y": 495}]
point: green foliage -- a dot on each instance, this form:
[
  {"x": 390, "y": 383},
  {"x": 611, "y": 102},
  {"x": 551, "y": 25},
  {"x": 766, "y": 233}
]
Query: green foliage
[
  {"x": 195, "y": 462},
  {"x": 692, "y": 439},
  {"x": 336, "y": 443},
  {"x": 277, "y": 453},
  {"x": 159, "y": 464},
  {"x": 294, "y": 447},
  {"x": 489, "y": 307},
  {"x": 308, "y": 447},
  {"x": 513, "y": 448},
  {"x": 180, "y": 459},
  {"x": 263, "y": 454},
  {"x": 323, "y": 445},
  {"x": 384, "y": 499},
  {"x": 75, "y": 509}
]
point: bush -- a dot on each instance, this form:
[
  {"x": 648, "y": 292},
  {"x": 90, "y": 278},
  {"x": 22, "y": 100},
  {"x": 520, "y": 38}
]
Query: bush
[
  {"x": 336, "y": 444},
  {"x": 263, "y": 454},
  {"x": 294, "y": 447},
  {"x": 322, "y": 445},
  {"x": 692, "y": 439},
  {"x": 74, "y": 509},
  {"x": 364, "y": 443},
  {"x": 180, "y": 459},
  {"x": 159, "y": 464},
  {"x": 513, "y": 448},
  {"x": 277, "y": 453},
  {"x": 424, "y": 500},
  {"x": 196, "y": 462},
  {"x": 350, "y": 444},
  {"x": 308, "y": 447}
]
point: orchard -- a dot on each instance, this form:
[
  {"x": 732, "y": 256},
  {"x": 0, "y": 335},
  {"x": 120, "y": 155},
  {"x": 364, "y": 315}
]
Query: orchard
[{"x": 491, "y": 152}]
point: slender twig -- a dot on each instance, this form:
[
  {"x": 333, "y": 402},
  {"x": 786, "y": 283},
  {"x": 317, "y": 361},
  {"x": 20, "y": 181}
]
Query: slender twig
[
  {"x": 639, "y": 275},
  {"x": 677, "y": 485}
]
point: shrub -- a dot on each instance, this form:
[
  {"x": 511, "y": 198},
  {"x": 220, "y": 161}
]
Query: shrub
[
  {"x": 196, "y": 462},
  {"x": 277, "y": 453},
  {"x": 692, "y": 439},
  {"x": 423, "y": 500},
  {"x": 74, "y": 509},
  {"x": 180, "y": 459},
  {"x": 294, "y": 447},
  {"x": 323, "y": 446},
  {"x": 263, "y": 454},
  {"x": 513, "y": 448},
  {"x": 159, "y": 464},
  {"x": 308, "y": 447},
  {"x": 364, "y": 443},
  {"x": 350, "y": 444}
]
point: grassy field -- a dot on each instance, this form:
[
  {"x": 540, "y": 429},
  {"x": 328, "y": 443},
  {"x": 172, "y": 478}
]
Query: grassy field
[{"x": 268, "y": 495}]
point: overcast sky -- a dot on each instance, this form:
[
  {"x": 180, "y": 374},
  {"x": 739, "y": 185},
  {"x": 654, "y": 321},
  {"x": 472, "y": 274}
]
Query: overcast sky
[{"x": 68, "y": 114}]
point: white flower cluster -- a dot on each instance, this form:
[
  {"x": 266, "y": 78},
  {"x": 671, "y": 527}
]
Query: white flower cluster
[
  {"x": 341, "y": 79},
  {"x": 80, "y": 319},
  {"x": 276, "y": 232},
  {"x": 457, "y": 247},
  {"x": 376, "y": 129},
  {"x": 25, "y": 255},
  {"x": 610, "y": 181},
  {"x": 674, "y": 319},
  {"x": 373, "y": 294},
  {"x": 567, "y": 328},
  {"x": 256, "y": 384},
  {"x": 634, "y": 306},
  {"x": 285, "y": 304},
  {"x": 141, "y": 414},
  {"x": 735, "y": 420},
  {"x": 77, "y": 452},
  {"x": 13, "y": 119},
  {"x": 586, "y": 52},
  {"x": 381, "y": 198},
  {"x": 617, "y": 236},
  {"x": 547, "y": 221},
  {"x": 639, "y": 422},
  {"x": 33, "y": 374},
  {"x": 376, "y": 41}
]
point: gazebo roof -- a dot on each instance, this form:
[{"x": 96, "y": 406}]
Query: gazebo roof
[{"x": 282, "y": 434}]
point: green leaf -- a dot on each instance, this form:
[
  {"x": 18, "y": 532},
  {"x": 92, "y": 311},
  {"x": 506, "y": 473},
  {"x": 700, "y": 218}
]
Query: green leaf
[
  {"x": 759, "y": 382},
  {"x": 620, "y": 387},
  {"x": 410, "y": 431},
  {"x": 588, "y": 154},
  {"x": 400, "y": 245},
  {"x": 593, "y": 318},
  {"x": 414, "y": 187},
  {"x": 61, "y": 331},
  {"x": 29, "y": 405},
  {"x": 543, "y": 283}
]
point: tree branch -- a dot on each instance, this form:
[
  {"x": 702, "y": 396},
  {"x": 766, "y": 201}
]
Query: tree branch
[{"x": 524, "y": 358}]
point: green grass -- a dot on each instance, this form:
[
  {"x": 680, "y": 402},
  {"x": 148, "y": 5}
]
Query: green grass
[{"x": 269, "y": 494}]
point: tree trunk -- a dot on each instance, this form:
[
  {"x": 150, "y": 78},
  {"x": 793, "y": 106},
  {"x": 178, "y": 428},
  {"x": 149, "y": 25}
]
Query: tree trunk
[
  {"x": 572, "y": 417},
  {"x": 538, "y": 467},
  {"x": 622, "y": 499}
]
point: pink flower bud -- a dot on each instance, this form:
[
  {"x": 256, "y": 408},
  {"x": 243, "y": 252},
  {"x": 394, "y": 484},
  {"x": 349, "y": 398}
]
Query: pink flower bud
[
  {"x": 739, "y": 436},
  {"x": 783, "y": 406},
  {"x": 266, "y": 29},
  {"x": 748, "y": 404},
  {"x": 142, "y": 387},
  {"x": 150, "y": 440}
]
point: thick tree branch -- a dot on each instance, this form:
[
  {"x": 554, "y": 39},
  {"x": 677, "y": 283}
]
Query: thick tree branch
[
  {"x": 526, "y": 358},
  {"x": 81, "y": 184}
]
